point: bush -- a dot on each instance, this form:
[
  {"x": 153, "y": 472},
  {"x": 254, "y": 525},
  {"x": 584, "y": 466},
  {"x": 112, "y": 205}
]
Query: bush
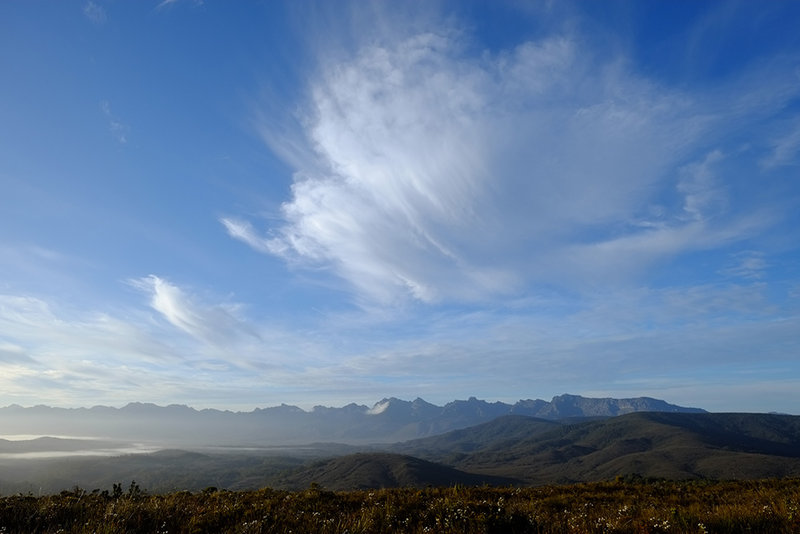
[{"x": 621, "y": 506}]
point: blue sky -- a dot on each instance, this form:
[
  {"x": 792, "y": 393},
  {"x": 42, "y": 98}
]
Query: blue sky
[{"x": 239, "y": 204}]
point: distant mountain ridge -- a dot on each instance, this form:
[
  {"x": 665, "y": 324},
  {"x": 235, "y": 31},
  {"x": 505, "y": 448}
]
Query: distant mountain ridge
[{"x": 389, "y": 420}]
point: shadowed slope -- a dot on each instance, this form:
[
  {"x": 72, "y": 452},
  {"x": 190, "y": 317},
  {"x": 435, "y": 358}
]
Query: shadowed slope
[
  {"x": 383, "y": 470},
  {"x": 675, "y": 446},
  {"x": 497, "y": 434}
]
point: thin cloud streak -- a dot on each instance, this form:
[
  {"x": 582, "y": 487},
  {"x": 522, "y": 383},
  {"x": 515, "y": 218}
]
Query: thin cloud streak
[
  {"x": 95, "y": 13},
  {"x": 170, "y": 3},
  {"x": 785, "y": 148},
  {"x": 216, "y": 325},
  {"x": 244, "y": 231},
  {"x": 115, "y": 126}
]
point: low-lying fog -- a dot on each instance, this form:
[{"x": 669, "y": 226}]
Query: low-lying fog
[
  {"x": 30, "y": 446},
  {"x": 27, "y": 447}
]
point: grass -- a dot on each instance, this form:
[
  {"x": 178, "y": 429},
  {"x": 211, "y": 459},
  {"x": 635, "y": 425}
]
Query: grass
[{"x": 620, "y": 506}]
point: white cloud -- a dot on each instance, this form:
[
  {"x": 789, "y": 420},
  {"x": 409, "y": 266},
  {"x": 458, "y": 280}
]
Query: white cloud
[
  {"x": 749, "y": 264},
  {"x": 627, "y": 258},
  {"x": 215, "y": 325},
  {"x": 51, "y": 348},
  {"x": 193, "y": 352},
  {"x": 95, "y": 13},
  {"x": 30, "y": 323},
  {"x": 784, "y": 148},
  {"x": 11, "y": 354},
  {"x": 243, "y": 231},
  {"x": 168, "y": 3},
  {"x": 115, "y": 126},
  {"x": 703, "y": 197},
  {"x": 442, "y": 176}
]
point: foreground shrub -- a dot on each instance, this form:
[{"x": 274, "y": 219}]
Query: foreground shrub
[{"x": 768, "y": 506}]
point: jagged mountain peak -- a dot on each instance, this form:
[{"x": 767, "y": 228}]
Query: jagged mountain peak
[
  {"x": 568, "y": 405},
  {"x": 283, "y": 409},
  {"x": 390, "y": 404},
  {"x": 142, "y": 406}
]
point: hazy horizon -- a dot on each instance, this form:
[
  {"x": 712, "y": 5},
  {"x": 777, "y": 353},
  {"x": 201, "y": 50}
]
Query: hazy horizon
[
  {"x": 44, "y": 432},
  {"x": 304, "y": 407},
  {"x": 238, "y": 205}
]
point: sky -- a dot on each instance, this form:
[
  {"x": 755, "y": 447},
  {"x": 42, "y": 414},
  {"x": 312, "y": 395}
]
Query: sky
[{"x": 241, "y": 204}]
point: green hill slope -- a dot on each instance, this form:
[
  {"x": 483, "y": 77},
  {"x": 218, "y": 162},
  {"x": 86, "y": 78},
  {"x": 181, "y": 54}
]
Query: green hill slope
[
  {"x": 526, "y": 450},
  {"x": 498, "y": 434},
  {"x": 383, "y": 470},
  {"x": 675, "y": 446}
]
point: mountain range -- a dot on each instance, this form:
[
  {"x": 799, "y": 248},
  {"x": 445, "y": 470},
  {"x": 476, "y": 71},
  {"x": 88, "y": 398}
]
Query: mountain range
[{"x": 388, "y": 421}]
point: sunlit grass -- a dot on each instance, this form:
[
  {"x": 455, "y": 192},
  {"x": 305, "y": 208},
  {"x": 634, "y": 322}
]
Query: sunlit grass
[{"x": 768, "y": 506}]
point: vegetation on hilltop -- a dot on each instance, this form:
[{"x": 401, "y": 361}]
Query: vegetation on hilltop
[
  {"x": 621, "y": 506},
  {"x": 382, "y": 470}
]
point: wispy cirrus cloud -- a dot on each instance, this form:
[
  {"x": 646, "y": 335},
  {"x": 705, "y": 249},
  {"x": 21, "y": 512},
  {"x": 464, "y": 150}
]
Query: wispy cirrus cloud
[
  {"x": 117, "y": 128},
  {"x": 64, "y": 357},
  {"x": 11, "y": 354},
  {"x": 748, "y": 264},
  {"x": 244, "y": 231},
  {"x": 54, "y": 354},
  {"x": 703, "y": 196},
  {"x": 785, "y": 147},
  {"x": 169, "y": 3},
  {"x": 214, "y": 325},
  {"x": 442, "y": 176},
  {"x": 95, "y": 13}
]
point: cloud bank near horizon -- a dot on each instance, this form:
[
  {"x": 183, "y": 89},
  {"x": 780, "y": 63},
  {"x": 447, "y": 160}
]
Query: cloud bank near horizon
[{"x": 187, "y": 347}]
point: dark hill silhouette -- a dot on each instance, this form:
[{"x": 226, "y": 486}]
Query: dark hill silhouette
[
  {"x": 383, "y": 470},
  {"x": 526, "y": 450},
  {"x": 499, "y": 433},
  {"x": 668, "y": 445}
]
